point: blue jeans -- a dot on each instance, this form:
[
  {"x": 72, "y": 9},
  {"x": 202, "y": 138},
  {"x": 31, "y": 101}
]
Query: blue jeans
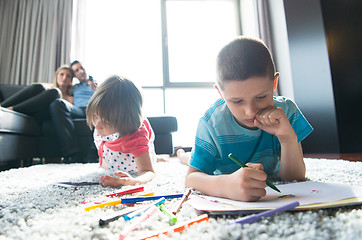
[{"x": 62, "y": 114}]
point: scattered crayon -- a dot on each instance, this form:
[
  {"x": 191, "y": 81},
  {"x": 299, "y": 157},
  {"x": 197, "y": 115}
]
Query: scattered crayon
[
  {"x": 183, "y": 199},
  {"x": 137, "y": 222},
  {"x": 102, "y": 205},
  {"x": 171, "y": 216},
  {"x": 149, "y": 198},
  {"x": 143, "y": 209},
  {"x": 180, "y": 227},
  {"x": 128, "y": 191},
  {"x": 121, "y": 214},
  {"x": 146, "y": 194}
]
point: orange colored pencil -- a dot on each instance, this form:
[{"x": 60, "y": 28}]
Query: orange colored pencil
[{"x": 180, "y": 227}]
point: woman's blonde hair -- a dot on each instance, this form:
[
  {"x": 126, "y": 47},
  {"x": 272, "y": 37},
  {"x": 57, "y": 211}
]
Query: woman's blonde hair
[
  {"x": 117, "y": 102},
  {"x": 55, "y": 82}
]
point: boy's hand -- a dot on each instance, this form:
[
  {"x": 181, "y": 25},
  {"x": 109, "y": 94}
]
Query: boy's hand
[
  {"x": 246, "y": 184},
  {"x": 274, "y": 121}
]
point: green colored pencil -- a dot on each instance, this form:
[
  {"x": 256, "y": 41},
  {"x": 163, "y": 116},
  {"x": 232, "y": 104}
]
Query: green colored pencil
[
  {"x": 171, "y": 216},
  {"x": 241, "y": 164}
]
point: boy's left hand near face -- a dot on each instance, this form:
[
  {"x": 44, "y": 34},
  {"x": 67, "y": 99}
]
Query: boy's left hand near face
[{"x": 274, "y": 121}]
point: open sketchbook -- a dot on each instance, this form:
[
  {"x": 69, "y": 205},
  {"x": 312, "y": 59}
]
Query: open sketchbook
[{"x": 311, "y": 195}]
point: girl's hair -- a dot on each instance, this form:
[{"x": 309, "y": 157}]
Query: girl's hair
[
  {"x": 243, "y": 58},
  {"x": 55, "y": 83},
  {"x": 117, "y": 103}
]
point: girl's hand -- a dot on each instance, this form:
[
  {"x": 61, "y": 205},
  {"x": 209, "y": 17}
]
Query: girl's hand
[
  {"x": 246, "y": 184},
  {"x": 122, "y": 179}
]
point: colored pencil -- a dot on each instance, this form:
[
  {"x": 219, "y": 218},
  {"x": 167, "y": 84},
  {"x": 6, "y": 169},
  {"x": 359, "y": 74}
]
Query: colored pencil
[
  {"x": 183, "y": 199},
  {"x": 179, "y": 227}
]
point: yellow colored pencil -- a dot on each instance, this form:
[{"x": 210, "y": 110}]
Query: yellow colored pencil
[{"x": 102, "y": 205}]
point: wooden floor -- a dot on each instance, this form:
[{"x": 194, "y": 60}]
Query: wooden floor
[{"x": 355, "y": 157}]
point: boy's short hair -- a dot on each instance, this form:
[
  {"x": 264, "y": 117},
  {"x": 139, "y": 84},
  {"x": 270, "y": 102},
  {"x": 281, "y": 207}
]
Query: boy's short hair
[
  {"x": 242, "y": 58},
  {"x": 118, "y": 104}
]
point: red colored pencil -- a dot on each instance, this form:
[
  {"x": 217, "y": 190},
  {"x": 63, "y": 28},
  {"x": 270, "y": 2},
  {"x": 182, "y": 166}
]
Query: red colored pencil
[{"x": 129, "y": 191}]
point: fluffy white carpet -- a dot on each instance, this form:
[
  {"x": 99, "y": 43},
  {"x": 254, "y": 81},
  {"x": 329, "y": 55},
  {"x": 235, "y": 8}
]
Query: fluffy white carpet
[{"x": 31, "y": 207}]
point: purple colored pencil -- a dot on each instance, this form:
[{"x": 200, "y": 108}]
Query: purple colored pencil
[{"x": 256, "y": 217}]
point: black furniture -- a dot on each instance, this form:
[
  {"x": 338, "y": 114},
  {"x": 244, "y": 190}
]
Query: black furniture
[{"x": 23, "y": 138}]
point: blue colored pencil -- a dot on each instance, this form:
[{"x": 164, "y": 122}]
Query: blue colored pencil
[{"x": 148, "y": 198}]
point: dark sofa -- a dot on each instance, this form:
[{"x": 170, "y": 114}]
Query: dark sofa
[{"x": 23, "y": 139}]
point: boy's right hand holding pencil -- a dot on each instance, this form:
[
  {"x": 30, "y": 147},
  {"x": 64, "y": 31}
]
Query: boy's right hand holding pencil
[{"x": 245, "y": 184}]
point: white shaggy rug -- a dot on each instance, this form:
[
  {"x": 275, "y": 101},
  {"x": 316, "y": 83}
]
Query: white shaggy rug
[{"x": 31, "y": 207}]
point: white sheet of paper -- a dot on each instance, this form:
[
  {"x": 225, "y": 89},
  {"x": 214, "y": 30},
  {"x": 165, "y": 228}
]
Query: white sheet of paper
[{"x": 305, "y": 192}]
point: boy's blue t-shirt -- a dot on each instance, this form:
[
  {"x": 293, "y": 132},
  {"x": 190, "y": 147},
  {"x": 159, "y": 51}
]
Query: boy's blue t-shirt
[{"x": 218, "y": 135}]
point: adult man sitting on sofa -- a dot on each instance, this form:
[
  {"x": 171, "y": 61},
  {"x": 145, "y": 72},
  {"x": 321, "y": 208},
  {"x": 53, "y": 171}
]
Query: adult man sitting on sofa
[{"x": 63, "y": 113}]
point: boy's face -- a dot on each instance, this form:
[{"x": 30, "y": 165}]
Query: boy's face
[{"x": 248, "y": 97}]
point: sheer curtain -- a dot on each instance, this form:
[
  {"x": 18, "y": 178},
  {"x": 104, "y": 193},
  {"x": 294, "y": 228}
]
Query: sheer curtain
[
  {"x": 35, "y": 39},
  {"x": 256, "y": 22},
  {"x": 78, "y": 30}
]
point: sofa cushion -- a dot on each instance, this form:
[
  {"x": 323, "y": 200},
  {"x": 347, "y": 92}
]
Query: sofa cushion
[
  {"x": 15, "y": 146},
  {"x": 15, "y": 122},
  {"x": 80, "y": 126},
  {"x": 164, "y": 124}
]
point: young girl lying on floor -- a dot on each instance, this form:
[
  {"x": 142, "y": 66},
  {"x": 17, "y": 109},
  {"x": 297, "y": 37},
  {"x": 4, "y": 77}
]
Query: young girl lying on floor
[{"x": 124, "y": 138}]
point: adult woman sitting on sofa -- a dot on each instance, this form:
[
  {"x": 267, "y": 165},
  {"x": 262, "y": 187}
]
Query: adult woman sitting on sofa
[
  {"x": 34, "y": 100},
  {"x": 63, "y": 81}
]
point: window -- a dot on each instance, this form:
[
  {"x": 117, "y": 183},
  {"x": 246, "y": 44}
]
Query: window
[
  {"x": 123, "y": 38},
  {"x": 196, "y": 30},
  {"x": 168, "y": 47}
]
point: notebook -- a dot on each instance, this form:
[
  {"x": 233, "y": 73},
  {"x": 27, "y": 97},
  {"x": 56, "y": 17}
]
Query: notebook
[{"x": 311, "y": 195}]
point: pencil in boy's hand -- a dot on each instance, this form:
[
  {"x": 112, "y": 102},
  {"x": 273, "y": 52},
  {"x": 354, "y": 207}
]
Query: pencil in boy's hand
[{"x": 241, "y": 164}]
